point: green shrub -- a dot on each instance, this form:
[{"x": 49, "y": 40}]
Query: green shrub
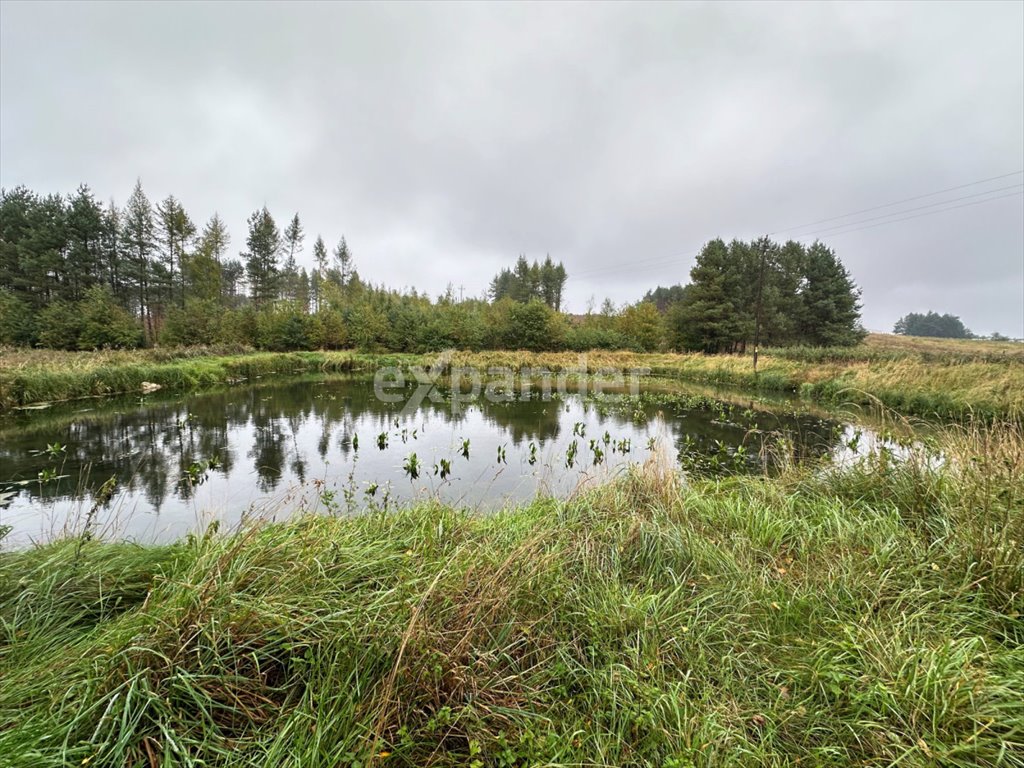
[
  {"x": 642, "y": 326},
  {"x": 105, "y": 324},
  {"x": 60, "y": 324},
  {"x": 533, "y": 326},
  {"x": 327, "y": 330},
  {"x": 17, "y": 325},
  {"x": 284, "y": 328},
  {"x": 581, "y": 338},
  {"x": 198, "y": 322}
]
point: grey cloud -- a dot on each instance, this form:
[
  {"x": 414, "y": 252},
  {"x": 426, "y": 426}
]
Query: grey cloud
[{"x": 445, "y": 139}]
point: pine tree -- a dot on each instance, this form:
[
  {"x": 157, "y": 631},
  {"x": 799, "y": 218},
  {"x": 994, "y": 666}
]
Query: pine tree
[
  {"x": 292, "y": 246},
  {"x": 85, "y": 233},
  {"x": 663, "y": 298},
  {"x": 316, "y": 282},
  {"x": 202, "y": 273},
  {"x": 175, "y": 237},
  {"x": 16, "y": 206},
  {"x": 293, "y": 238},
  {"x": 261, "y": 260},
  {"x": 932, "y": 324},
  {"x": 232, "y": 277},
  {"x": 215, "y": 238},
  {"x": 302, "y": 291},
  {"x": 710, "y": 319},
  {"x": 830, "y": 301},
  {"x": 782, "y": 295},
  {"x": 139, "y": 238},
  {"x": 345, "y": 263},
  {"x": 526, "y": 281},
  {"x": 45, "y": 249},
  {"x": 111, "y": 255},
  {"x": 523, "y": 286}
]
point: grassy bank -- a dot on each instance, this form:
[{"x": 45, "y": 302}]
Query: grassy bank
[
  {"x": 870, "y": 616},
  {"x": 917, "y": 377},
  {"x": 36, "y": 376}
]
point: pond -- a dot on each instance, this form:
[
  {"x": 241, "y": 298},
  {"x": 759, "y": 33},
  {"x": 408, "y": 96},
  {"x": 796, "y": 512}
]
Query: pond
[{"x": 154, "y": 468}]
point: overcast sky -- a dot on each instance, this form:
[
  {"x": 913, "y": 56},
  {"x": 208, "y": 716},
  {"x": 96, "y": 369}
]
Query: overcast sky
[{"x": 444, "y": 140}]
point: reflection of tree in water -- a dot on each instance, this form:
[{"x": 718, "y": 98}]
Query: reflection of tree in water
[
  {"x": 702, "y": 432},
  {"x": 203, "y": 437},
  {"x": 268, "y": 446},
  {"x": 150, "y": 447},
  {"x": 268, "y": 453},
  {"x": 524, "y": 420},
  {"x": 298, "y": 459}
]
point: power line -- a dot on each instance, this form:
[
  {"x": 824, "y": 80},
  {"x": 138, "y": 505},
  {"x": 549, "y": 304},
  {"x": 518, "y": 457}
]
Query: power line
[
  {"x": 633, "y": 268},
  {"x": 929, "y": 213},
  {"x": 910, "y": 210},
  {"x": 636, "y": 264},
  {"x": 898, "y": 202},
  {"x": 658, "y": 260}
]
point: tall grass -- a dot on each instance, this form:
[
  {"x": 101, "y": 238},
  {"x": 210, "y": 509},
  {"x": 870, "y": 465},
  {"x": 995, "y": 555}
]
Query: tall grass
[
  {"x": 928, "y": 378},
  {"x": 866, "y": 615},
  {"x": 47, "y": 376}
]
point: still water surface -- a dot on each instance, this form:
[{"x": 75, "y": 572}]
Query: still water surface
[{"x": 329, "y": 444}]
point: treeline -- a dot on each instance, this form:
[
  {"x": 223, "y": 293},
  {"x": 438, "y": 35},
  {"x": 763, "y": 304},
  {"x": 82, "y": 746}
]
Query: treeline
[
  {"x": 775, "y": 294},
  {"x": 76, "y": 274},
  {"x": 932, "y": 324},
  {"x": 526, "y": 281}
]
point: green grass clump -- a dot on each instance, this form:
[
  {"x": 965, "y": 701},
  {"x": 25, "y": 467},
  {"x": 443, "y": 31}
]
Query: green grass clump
[{"x": 861, "y": 616}]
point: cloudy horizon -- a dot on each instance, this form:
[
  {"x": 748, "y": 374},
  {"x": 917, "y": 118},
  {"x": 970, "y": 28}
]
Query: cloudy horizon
[{"x": 444, "y": 140}]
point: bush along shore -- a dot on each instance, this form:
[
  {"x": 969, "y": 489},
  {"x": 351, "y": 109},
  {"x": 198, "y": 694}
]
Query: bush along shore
[
  {"x": 946, "y": 383},
  {"x": 868, "y": 615}
]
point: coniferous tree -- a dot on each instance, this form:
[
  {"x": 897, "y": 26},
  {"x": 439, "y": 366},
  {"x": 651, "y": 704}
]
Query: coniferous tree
[
  {"x": 501, "y": 285},
  {"x": 344, "y": 261},
  {"x": 302, "y": 290},
  {"x": 232, "y": 279},
  {"x": 45, "y": 249},
  {"x": 139, "y": 238},
  {"x": 294, "y": 235},
  {"x": 319, "y": 273},
  {"x": 215, "y": 238},
  {"x": 830, "y": 301},
  {"x": 111, "y": 255},
  {"x": 176, "y": 231},
  {"x": 526, "y": 281},
  {"x": 783, "y": 283},
  {"x": 548, "y": 279},
  {"x": 66, "y": 265},
  {"x": 932, "y": 324},
  {"x": 524, "y": 287},
  {"x": 261, "y": 260},
  {"x": 663, "y": 298},
  {"x": 202, "y": 274},
  {"x": 712, "y": 319},
  {"x": 292, "y": 246},
  {"x": 84, "y": 252},
  {"x": 16, "y": 213},
  {"x": 208, "y": 271}
]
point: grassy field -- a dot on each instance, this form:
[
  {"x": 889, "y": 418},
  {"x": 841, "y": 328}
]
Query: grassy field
[
  {"x": 922, "y": 377},
  {"x": 866, "y": 616}
]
